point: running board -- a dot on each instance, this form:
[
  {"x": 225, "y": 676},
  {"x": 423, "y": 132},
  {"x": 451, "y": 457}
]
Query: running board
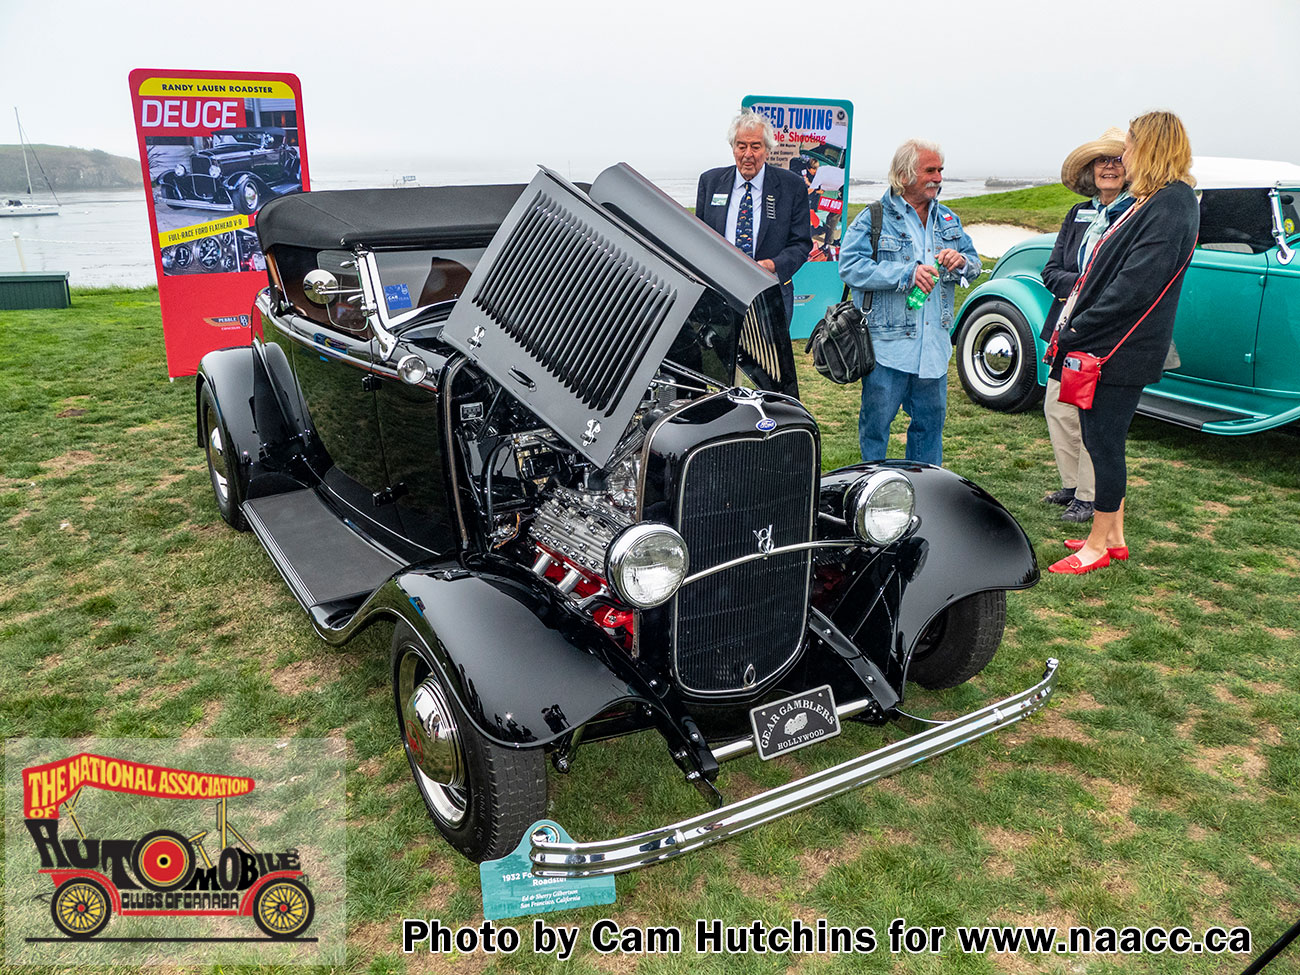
[
  {"x": 1185, "y": 414},
  {"x": 321, "y": 557}
]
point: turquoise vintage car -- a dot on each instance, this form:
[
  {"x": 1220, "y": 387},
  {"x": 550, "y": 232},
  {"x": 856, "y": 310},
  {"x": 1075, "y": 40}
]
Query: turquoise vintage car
[{"x": 1238, "y": 325}]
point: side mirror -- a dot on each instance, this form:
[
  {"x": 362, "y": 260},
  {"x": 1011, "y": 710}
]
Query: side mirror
[
  {"x": 1285, "y": 253},
  {"x": 322, "y": 288}
]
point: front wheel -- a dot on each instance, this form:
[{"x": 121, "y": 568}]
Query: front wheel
[
  {"x": 482, "y": 796},
  {"x": 996, "y": 358},
  {"x": 223, "y": 464},
  {"x": 284, "y": 909},
  {"x": 247, "y": 194},
  {"x": 960, "y": 642},
  {"x": 80, "y": 908}
]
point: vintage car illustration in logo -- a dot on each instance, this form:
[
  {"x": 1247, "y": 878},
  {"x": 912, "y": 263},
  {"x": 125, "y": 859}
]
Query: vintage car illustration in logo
[
  {"x": 241, "y": 170},
  {"x": 162, "y": 873},
  {"x": 504, "y": 421}
]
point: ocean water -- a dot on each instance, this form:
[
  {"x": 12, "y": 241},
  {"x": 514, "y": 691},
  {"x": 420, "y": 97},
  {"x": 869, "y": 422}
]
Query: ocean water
[{"x": 103, "y": 238}]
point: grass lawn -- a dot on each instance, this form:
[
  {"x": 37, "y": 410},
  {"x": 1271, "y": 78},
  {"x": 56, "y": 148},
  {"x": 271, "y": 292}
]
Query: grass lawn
[
  {"x": 1158, "y": 788},
  {"x": 1040, "y": 208}
]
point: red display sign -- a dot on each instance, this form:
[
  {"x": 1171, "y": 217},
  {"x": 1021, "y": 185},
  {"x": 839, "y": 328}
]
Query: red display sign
[{"x": 214, "y": 147}]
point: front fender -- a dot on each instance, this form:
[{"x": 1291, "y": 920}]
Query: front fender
[
  {"x": 964, "y": 542},
  {"x": 1029, "y": 295},
  {"x": 524, "y": 671}
]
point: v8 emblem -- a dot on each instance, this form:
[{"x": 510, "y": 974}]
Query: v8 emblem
[{"x": 764, "y": 536}]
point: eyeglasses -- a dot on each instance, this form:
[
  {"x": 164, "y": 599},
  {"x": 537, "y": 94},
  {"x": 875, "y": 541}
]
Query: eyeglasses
[{"x": 1110, "y": 160}]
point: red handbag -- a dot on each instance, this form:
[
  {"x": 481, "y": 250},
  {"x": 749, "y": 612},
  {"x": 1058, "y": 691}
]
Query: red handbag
[{"x": 1079, "y": 374}]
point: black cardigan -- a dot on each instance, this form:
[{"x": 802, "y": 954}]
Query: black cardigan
[
  {"x": 1128, "y": 272},
  {"x": 1062, "y": 267}
]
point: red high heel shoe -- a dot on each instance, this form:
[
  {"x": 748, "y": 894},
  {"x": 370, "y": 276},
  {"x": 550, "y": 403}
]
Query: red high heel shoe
[{"x": 1119, "y": 553}]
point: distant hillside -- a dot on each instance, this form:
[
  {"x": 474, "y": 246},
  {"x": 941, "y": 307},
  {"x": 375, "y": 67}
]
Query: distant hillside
[{"x": 68, "y": 169}]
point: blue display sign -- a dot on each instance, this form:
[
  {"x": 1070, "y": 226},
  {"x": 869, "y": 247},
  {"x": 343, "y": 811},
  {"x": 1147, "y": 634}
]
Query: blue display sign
[
  {"x": 813, "y": 140},
  {"x": 510, "y": 890}
]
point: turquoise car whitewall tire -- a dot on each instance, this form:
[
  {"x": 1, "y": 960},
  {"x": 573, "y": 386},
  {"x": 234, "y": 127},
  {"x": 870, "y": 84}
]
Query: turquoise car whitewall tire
[{"x": 996, "y": 358}]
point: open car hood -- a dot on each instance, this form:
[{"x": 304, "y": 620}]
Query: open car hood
[{"x": 580, "y": 298}]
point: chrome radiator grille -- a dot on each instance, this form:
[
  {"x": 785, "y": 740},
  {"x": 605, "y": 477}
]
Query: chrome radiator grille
[{"x": 737, "y": 628}]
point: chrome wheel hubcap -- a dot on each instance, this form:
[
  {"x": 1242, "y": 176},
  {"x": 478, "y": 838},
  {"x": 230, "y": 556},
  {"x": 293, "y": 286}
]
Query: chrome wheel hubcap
[
  {"x": 217, "y": 457},
  {"x": 996, "y": 355},
  {"x": 432, "y": 739}
]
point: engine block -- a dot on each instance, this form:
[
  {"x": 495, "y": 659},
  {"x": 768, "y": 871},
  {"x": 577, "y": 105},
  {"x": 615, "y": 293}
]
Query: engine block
[{"x": 579, "y": 527}]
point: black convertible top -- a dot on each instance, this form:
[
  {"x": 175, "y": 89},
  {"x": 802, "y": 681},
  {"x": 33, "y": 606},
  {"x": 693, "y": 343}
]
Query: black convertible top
[{"x": 442, "y": 216}]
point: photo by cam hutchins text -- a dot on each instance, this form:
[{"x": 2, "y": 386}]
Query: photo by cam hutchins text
[{"x": 798, "y": 937}]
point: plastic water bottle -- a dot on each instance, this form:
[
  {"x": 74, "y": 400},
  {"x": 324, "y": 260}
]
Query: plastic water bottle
[{"x": 916, "y": 297}]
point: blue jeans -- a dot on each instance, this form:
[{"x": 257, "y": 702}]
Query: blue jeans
[{"x": 884, "y": 390}]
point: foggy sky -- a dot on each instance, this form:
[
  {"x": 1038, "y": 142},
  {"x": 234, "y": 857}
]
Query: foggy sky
[{"x": 1008, "y": 87}]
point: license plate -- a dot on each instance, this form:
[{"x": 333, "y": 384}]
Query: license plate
[{"x": 790, "y": 724}]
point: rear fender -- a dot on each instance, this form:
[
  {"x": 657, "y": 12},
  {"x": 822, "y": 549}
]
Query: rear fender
[
  {"x": 1030, "y": 297},
  {"x": 964, "y": 542},
  {"x": 253, "y": 409},
  {"x": 228, "y": 375},
  {"x": 60, "y": 877}
]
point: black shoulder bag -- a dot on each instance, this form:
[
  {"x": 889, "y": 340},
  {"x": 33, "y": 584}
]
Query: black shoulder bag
[{"x": 841, "y": 342}]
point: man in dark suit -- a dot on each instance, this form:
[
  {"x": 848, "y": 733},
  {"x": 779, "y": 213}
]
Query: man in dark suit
[{"x": 763, "y": 210}]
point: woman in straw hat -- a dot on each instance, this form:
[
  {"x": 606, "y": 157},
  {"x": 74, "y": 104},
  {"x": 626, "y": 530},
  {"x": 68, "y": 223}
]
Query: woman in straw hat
[
  {"x": 1094, "y": 170},
  {"x": 1122, "y": 309}
]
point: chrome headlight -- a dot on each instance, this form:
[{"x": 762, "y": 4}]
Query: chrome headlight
[
  {"x": 214, "y": 170},
  {"x": 179, "y": 169},
  {"x": 881, "y": 507},
  {"x": 646, "y": 565}
]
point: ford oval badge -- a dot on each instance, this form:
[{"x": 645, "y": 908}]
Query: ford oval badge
[{"x": 765, "y": 424}]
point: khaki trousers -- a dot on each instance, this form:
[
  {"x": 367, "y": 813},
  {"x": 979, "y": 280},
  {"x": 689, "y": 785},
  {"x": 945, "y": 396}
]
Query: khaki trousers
[{"x": 1072, "y": 459}]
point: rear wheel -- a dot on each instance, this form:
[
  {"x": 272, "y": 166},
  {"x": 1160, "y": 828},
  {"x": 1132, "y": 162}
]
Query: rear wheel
[
  {"x": 996, "y": 358},
  {"x": 223, "y": 465},
  {"x": 960, "y": 642},
  {"x": 80, "y": 908},
  {"x": 482, "y": 796}
]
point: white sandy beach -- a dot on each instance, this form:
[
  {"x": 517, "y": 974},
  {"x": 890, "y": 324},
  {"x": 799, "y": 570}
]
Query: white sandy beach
[{"x": 995, "y": 239}]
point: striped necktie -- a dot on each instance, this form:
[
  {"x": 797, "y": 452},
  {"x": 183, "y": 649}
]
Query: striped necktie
[{"x": 745, "y": 222}]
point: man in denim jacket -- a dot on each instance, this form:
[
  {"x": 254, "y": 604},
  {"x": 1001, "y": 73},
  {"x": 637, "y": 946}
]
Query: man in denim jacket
[{"x": 912, "y": 345}]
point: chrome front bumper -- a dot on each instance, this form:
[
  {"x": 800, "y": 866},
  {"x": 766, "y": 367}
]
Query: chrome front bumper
[{"x": 644, "y": 849}]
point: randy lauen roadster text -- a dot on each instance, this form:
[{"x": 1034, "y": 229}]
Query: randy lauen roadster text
[{"x": 504, "y": 419}]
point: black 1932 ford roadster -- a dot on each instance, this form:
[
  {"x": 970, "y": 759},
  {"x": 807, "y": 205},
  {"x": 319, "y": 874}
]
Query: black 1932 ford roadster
[
  {"x": 240, "y": 170},
  {"x": 503, "y": 418}
]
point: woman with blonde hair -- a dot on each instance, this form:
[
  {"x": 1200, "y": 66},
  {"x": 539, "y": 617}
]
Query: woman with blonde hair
[{"x": 1122, "y": 309}]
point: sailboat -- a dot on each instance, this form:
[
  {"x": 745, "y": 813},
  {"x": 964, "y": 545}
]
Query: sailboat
[{"x": 17, "y": 208}]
